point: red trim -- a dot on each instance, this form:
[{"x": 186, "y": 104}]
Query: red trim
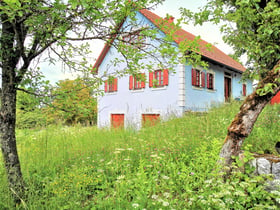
[
  {"x": 208, "y": 80},
  {"x": 151, "y": 78},
  {"x": 116, "y": 84},
  {"x": 130, "y": 82},
  {"x": 193, "y": 77},
  {"x": 244, "y": 89},
  {"x": 203, "y": 79},
  {"x": 143, "y": 80},
  {"x": 165, "y": 76}
]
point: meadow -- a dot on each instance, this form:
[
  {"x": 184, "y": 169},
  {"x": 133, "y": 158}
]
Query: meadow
[{"x": 172, "y": 165}]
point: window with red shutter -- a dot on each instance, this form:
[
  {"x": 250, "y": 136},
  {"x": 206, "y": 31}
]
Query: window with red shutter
[
  {"x": 159, "y": 78},
  {"x": 111, "y": 85},
  {"x": 137, "y": 82},
  {"x": 210, "y": 81}
]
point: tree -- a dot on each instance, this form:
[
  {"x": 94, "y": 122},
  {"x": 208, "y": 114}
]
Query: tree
[
  {"x": 76, "y": 106},
  {"x": 30, "y": 28},
  {"x": 251, "y": 27}
]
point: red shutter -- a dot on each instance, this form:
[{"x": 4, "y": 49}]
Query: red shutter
[
  {"x": 193, "y": 77},
  {"x": 106, "y": 86},
  {"x": 244, "y": 89},
  {"x": 203, "y": 79},
  {"x": 115, "y": 84},
  {"x": 151, "y": 75},
  {"x": 208, "y": 80},
  {"x": 130, "y": 82},
  {"x": 165, "y": 76},
  {"x": 143, "y": 80}
]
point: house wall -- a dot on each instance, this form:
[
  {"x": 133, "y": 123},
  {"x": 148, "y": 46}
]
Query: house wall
[
  {"x": 201, "y": 99},
  {"x": 134, "y": 103}
]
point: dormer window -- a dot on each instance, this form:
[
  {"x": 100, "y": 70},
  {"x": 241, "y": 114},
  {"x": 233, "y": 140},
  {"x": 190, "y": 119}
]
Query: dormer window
[{"x": 134, "y": 38}]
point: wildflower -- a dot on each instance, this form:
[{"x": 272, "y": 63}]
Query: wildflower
[
  {"x": 155, "y": 197},
  {"x": 165, "y": 177},
  {"x": 119, "y": 149},
  {"x": 165, "y": 203},
  {"x": 129, "y": 149},
  {"x": 117, "y": 152},
  {"x": 166, "y": 194},
  {"x": 192, "y": 173},
  {"x": 120, "y": 177},
  {"x": 100, "y": 170},
  {"x": 135, "y": 205}
]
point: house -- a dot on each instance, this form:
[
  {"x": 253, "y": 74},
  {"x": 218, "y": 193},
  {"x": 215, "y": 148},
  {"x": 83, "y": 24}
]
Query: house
[
  {"x": 133, "y": 101},
  {"x": 276, "y": 99}
]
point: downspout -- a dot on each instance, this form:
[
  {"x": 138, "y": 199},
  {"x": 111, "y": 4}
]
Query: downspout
[{"x": 181, "y": 88}]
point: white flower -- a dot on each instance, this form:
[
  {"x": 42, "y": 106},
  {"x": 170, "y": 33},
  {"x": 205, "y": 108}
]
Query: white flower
[
  {"x": 119, "y": 149},
  {"x": 165, "y": 177},
  {"x": 120, "y": 177},
  {"x": 135, "y": 205},
  {"x": 165, "y": 203},
  {"x": 154, "y": 197},
  {"x": 129, "y": 149},
  {"x": 166, "y": 194}
]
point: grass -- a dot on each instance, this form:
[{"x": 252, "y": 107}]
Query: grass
[{"x": 168, "y": 166}]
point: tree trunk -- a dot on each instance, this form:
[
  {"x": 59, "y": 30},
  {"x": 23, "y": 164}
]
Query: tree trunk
[
  {"x": 244, "y": 121},
  {"x": 8, "y": 111}
]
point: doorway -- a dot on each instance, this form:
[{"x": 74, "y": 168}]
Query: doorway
[{"x": 227, "y": 88}]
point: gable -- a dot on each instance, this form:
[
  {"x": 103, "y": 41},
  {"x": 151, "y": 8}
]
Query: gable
[{"x": 214, "y": 55}]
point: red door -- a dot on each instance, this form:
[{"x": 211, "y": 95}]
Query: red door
[
  {"x": 227, "y": 89},
  {"x": 117, "y": 120},
  {"x": 150, "y": 119},
  {"x": 276, "y": 99}
]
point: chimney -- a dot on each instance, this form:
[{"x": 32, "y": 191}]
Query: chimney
[{"x": 170, "y": 19}]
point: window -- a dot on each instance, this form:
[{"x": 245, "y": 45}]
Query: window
[
  {"x": 137, "y": 82},
  {"x": 117, "y": 120},
  {"x": 244, "y": 91},
  {"x": 150, "y": 119},
  {"x": 198, "y": 78},
  {"x": 158, "y": 78},
  {"x": 210, "y": 81},
  {"x": 111, "y": 85}
]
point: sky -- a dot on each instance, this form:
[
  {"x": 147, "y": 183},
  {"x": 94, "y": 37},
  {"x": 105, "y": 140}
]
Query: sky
[{"x": 208, "y": 32}]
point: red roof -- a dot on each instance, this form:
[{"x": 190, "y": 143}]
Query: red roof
[{"x": 181, "y": 35}]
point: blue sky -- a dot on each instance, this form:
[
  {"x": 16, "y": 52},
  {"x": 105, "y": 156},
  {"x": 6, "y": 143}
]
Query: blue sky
[{"x": 208, "y": 32}]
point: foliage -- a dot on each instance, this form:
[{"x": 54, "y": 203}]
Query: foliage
[
  {"x": 29, "y": 114},
  {"x": 73, "y": 103},
  {"x": 172, "y": 165},
  {"x": 255, "y": 34}
]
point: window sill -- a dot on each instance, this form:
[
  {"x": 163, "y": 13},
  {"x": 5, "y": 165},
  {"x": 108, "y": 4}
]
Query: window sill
[
  {"x": 211, "y": 90},
  {"x": 159, "y": 88},
  {"x": 197, "y": 88},
  {"x": 137, "y": 90},
  {"x": 111, "y": 93}
]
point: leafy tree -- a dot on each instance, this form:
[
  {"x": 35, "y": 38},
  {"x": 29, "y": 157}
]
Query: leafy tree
[
  {"x": 29, "y": 114},
  {"x": 252, "y": 27},
  {"x": 29, "y": 28},
  {"x": 76, "y": 106}
]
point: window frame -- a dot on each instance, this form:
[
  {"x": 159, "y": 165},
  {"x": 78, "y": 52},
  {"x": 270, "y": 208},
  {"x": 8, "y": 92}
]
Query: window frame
[
  {"x": 111, "y": 85},
  {"x": 210, "y": 79},
  {"x": 198, "y": 78},
  {"x": 244, "y": 89},
  {"x": 159, "y": 78},
  {"x": 137, "y": 82}
]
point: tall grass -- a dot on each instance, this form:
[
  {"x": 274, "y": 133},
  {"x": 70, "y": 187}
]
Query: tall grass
[{"x": 168, "y": 166}]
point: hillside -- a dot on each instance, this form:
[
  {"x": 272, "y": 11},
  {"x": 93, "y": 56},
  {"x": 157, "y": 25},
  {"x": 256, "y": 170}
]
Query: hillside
[{"x": 169, "y": 166}]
